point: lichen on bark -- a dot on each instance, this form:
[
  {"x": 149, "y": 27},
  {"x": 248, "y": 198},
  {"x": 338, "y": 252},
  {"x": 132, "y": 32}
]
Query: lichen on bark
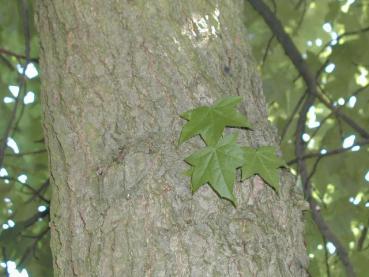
[{"x": 116, "y": 75}]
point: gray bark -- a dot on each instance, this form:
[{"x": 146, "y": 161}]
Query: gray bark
[{"x": 115, "y": 76}]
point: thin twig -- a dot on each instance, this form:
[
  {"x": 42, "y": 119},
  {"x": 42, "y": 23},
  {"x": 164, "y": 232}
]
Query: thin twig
[
  {"x": 33, "y": 191},
  {"x": 269, "y": 43},
  {"x": 321, "y": 123},
  {"x": 41, "y": 151},
  {"x": 32, "y": 248},
  {"x": 329, "y": 153},
  {"x": 33, "y": 219},
  {"x": 299, "y": 23},
  {"x": 313, "y": 170},
  {"x": 39, "y": 191},
  {"x": 355, "y": 93},
  {"x": 20, "y": 114},
  {"x": 330, "y": 236},
  {"x": 290, "y": 119},
  {"x": 298, "y": 4},
  {"x": 341, "y": 36},
  {"x": 337, "y": 112},
  {"x": 363, "y": 235},
  {"x": 322, "y": 67},
  {"x": 7, "y": 62},
  {"x": 9, "y": 127},
  {"x": 5, "y": 257},
  {"x": 16, "y": 55},
  {"x": 326, "y": 257},
  {"x": 27, "y": 49}
]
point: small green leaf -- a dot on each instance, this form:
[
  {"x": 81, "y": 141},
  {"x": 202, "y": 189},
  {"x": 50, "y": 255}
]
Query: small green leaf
[
  {"x": 216, "y": 165},
  {"x": 264, "y": 162},
  {"x": 209, "y": 122}
]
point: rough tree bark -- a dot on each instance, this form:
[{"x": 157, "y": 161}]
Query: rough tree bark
[{"x": 115, "y": 76}]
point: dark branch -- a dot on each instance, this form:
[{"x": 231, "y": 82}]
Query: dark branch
[
  {"x": 360, "y": 90},
  {"x": 16, "y": 55},
  {"x": 321, "y": 123},
  {"x": 33, "y": 219},
  {"x": 301, "y": 66},
  {"x": 12, "y": 118},
  {"x": 330, "y": 236},
  {"x": 349, "y": 33},
  {"x": 290, "y": 119},
  {"x": 5, "y": 257},
  {"x": 310, "y": 81},
  {"x": 326, "y": 257},
  {"x": 39, "y": 191},
  {"x": 27, "y": 49},
  {"x": 41, "y": 151},
  {"x": 7, "y": 62},
  {"x": 329, "y": 153},
  {"x": 301, "y": 19},
  {"x": 313, "y": 170},
  {"x": 338, "y": 112},
  {"x": 32, "y": 248},
  {"x": 363, "y": 235},
  {"x": 267, "y": 50},
  {"x": 35, "y": 192}
]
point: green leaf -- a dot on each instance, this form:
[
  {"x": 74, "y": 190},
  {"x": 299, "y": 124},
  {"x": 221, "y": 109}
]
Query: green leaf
[
  {"x": 216, "y": 165},
  {"x": 209, "y": 122},
  {"x": 264, "y": 162}
]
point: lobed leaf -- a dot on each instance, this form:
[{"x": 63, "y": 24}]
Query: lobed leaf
[
  {"x": 209, "y": 122},
  {"x": 216, "y": 165},
  {"x": 264, "y": 162}
]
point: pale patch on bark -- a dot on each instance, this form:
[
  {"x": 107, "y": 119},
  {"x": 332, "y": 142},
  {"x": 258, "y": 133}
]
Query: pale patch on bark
[{"x": 257, "y": 185}]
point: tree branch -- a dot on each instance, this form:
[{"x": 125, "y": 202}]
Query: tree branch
[
  {"x": 6, "y": 262},
  {"x": 290, "y": 119},
  {"x": 363, "y": 235},
  {"x": 41, "y": 151},
  {"x": 310, "y": 81},
  {"x": 360, "y": 90},
  {"x": 16, "y": 55},
  {"x": 349, "y": 33},
  {"x": 32, "y": 220},
  {"x": 326, "y": 257},
  {"x": 321, "y": 123},
  {"x": 301, "y": 66},
  {"x": 35, "y": 193},
  {"x": 39, "y": 191},
  {"x": 329, "y": 153},
  {"x": 27, "y": 50},
  {"x": 269, "y": 43},
  {"x": 6, "y": 62},
  {"x": 32, "y": 248},
  {"x": 337, "y": 112},
  {"x": 299, "y": 23},
  {"x": 267, "y": 50}
]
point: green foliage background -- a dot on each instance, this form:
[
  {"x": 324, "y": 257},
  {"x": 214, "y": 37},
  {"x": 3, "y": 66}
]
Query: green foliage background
[{"x": 333, "y": 37}]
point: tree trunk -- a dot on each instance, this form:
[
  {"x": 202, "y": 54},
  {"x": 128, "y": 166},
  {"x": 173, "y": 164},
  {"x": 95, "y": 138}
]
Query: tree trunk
[{"x": 115, "y": 76}]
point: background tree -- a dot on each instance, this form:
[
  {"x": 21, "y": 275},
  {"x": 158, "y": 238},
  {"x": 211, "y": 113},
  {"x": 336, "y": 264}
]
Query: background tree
[{"x": 329, "y": 87}]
